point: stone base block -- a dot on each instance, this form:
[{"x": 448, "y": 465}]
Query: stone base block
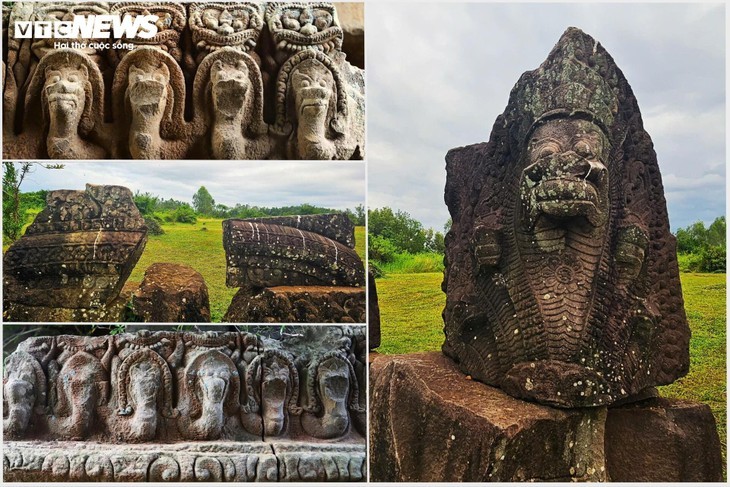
[
  {"x": 298, "y": 304},
  {"x": 430, "y": 422},
  {"x": 64, "y": 461},
  {"x": 113, "y": 312},
  {"x": 172, "y": 293}
]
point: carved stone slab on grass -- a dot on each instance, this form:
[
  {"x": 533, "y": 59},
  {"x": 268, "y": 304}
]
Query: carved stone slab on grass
[
  {"x": 561, "y": 274},
  {"x": 76, "y": 255},
  {"x": 431, "y": 423}
]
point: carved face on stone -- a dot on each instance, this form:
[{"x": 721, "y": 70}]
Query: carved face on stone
[
  {"x": 225, "y": 22},
  {"x": 145, "y": 386},
  {"x": 313, "y": 86},
  {"x": 65, "y": 93},
  {"x": 229, "y": 85},
  {"x": 148, "y": 87},
  {"x": 307, "y": 21},
  {"x": 566, "y": 178},
  {"x": 212, "y": 384},
  {"x": 66, "y": 11},
  {"x": 294, "y": 25},
  {"x": 334, "y": 380},
  {"x": 18, "y": 399},
  {"x": 274, "y": 385}
]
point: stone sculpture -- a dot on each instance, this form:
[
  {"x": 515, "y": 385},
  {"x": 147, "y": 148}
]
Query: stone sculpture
[
  {"x": 286, "y": 91},
  {"x": 561, "y": 274},
  {"x": 290, "y": 271},
  {"x": 168, "y": 387},
  {"x": 171, "y": 293},
  {"x": 75, "y": 257}
]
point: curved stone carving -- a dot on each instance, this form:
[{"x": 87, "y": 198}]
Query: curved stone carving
[
  {"x": 66, "y": 11},
  {"x": 215, "y": 25},
  {"x": 144, "y": 387},
  {"x": 332, "y": 390},
  {"x": 99, "y": 467},
  {"x": 149, "y": 96},
  {"x": 230, "y": 94},
  {"x": 260, "y": 254},
  {"x": 67, "y": 91},
  {"x": 272, "y": 385},
  {"x": 24, "y": 391},
  {"x": 213, "y": 386},
  {"x": 170, "y": 24},
  {"x": 208, "y": 469},
  {"x": 311, "y": 105},
  {"x": 561, "y": 275},
  {"x": 164, "y": 469}
]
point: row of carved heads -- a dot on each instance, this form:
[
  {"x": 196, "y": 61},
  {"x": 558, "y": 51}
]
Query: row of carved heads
[
  {"x": 173, "y": 385},
  {"x": 296, "y": 103}
]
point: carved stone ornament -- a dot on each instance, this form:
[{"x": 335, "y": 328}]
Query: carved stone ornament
[
  {"x": 561, "y": 275},
  {"x": 206, "y": 81},
  {"x": 75, "y": 257},
  {"x": 213, "y": 407}
]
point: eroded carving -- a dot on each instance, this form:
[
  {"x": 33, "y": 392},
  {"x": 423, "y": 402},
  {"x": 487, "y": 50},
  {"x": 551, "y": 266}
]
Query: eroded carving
[
  {"x": 296, "y": 26},
  {"x": 75, "y": 257},
  {"x": 24, "y": 390},
  {"x": 170, "y": 24},
  {"x": 561, "y": 279},
  {"x": 216, "y": 24}
]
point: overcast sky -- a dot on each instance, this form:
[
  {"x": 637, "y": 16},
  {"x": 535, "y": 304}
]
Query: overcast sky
[
  {"x": 337, "y": 185},
  {"x": 439, "y": 74}
]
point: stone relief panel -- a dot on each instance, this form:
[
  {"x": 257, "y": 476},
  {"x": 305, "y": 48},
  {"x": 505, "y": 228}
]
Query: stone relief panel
[
  {"x": 75, "y": 257},
  {"x": 294, "y": 269},
  {"x": 171, "y": 392},
  {"x": 221, "y": 80},
  {"x": 561, "y": 275}
]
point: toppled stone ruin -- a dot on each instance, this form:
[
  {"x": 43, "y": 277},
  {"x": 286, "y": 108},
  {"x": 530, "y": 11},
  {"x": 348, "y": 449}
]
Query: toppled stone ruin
[
  {"x": 74, "y": 258},
  {"x": 218, "y": 80},
  {"x": 204, "y": 407},
  {"x": 561, "y": 275},
  {"x": 294, "y": 269}
]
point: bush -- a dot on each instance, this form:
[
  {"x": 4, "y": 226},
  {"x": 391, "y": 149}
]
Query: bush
[
  {"x": 184, "y": 214},
  {"x": 381, "y": 249},
  {"x": 153, "y": 226},
  {"x": 712, "y": 259}
]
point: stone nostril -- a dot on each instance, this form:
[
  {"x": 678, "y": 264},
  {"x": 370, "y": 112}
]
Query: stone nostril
[
  {"x": 595, "y": 172},
  {"x": 534, "y": 172}
]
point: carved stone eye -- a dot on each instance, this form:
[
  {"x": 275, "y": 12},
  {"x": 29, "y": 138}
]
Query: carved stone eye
[
  {"x": 73, "y": 78},
  {"x": 305, "y": 83},
  {"x": 546, "y": 150},
  {"x": 583, "y": 149},
  {"x": 55, "y": 78}
]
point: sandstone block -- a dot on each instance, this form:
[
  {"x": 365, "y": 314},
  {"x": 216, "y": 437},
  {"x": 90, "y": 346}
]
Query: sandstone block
[{"x": 171, "y": 293}]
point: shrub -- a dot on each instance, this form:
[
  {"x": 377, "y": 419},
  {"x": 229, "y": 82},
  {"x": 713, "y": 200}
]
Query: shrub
[
  {"x": 381, "y": 249},
  {"x": 184, "y": 214},
  {"x": 153, "y": 226},
  {"x": 712, "y": 259}
]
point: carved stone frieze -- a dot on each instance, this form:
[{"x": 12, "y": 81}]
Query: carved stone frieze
[{"x": 217, "y": 80}]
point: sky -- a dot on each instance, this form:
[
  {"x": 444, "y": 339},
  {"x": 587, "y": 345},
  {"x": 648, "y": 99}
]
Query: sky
[
  {"x": 438, "y": 75},
  {"x": 336, "y": 185}
]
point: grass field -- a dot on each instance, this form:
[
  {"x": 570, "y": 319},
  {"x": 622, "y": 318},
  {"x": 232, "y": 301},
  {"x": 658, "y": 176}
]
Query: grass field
[
  {"x": 200, "y": 246},
  {"x": 410, "y": 313}
]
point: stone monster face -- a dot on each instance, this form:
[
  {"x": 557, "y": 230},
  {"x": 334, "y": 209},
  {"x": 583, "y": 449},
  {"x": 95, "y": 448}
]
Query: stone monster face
[
  {"x": 148, "y": 87},
  {"x": 144, "y": 392},
  {"x": 65, "y": 93},
  {"x": 274, "y": 385},
  {"x": 229, "y": 85},
  {"x": 314, "y": 93},
  {"x": 566, "y": 179}
]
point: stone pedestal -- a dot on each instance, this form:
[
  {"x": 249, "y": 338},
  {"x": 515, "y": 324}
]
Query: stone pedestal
[
  {"x": 298, "y": 304},
  {"x": 430, "y": 422}
]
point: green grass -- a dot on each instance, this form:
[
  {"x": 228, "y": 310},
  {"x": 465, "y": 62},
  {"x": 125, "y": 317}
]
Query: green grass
[
  {"x": 200, "y": 246},
  {"x": 414, "y": 263},
  {"x": 410, "y": 313}
]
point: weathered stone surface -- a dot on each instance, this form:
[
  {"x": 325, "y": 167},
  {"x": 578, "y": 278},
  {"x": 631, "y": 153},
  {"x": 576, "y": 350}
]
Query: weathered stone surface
[
  {"x": 265, "y": 255},
  {"x": 663, "y": 440},
  {"x": 301, "y": 462},
  {"x": 298, "y": 304},
  {"x": 561, "y": 275},
  {"x": 172, "y": 386},
  {"x": 251, "y": 97},
  {"x": 171, "y": 293},
  {"x": 373, "y": 313},
  {"x": 75, "y": 257},
  {"x": 430, "y": 423},
  {"x": 336, "y": 226}
]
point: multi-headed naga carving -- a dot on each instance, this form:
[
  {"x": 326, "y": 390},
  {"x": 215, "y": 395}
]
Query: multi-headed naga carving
[
  {"x": 160, "y": 389},
  {"x": 291, "y": 94},
  {"x": 272, "y": 389},
  {"x": 90, "y": 242},
  {"x": 561, "y": 279}
]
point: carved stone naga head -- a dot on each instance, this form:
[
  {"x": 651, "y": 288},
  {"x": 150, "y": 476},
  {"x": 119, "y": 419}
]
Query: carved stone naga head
[{"x": 561, "y": 277}]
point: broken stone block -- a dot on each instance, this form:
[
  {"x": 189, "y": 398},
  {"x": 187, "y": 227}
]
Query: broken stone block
[
  {"x": 663, "y": 440},
  {"x": 75, "y": 257},
  {"x": 431, "y": 423},
  {"x": 267, "y": 254},
  {"x": 171, "y": 293},
  {"x": 561, "y": 280},
  {"x": 298, "y": 304}
]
